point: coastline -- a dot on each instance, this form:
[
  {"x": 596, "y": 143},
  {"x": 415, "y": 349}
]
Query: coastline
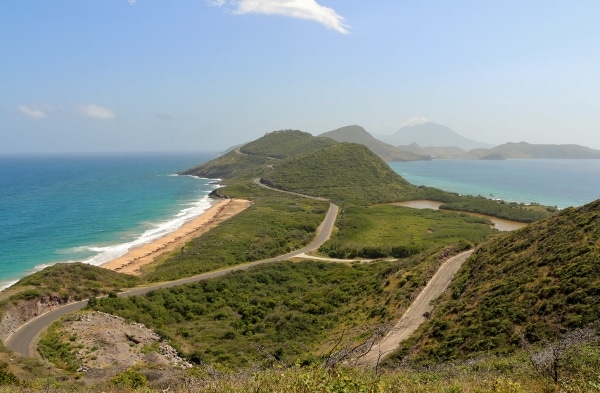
[
  {"x": 499, "y": 223},
  {"x": 136, "y": 258}
]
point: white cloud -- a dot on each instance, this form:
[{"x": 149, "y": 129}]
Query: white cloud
[
  {"x": 132, "y": 2},
  {"x": 97, "y": 112},
  {"x": 32, "y": 112},
  {"x": 413, "y": 121},
  {"x": 300, "y": 9}
]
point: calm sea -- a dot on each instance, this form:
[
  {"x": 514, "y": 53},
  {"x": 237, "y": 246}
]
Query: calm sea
[
  {"x": 560, "y": 183},
  {"x": 91, "y": 208}
]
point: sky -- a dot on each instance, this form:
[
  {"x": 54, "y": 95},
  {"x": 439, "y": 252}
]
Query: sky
[{"x": 204, "y": 75}]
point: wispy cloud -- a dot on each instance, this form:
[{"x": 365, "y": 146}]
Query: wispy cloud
[
  {"x": 97, "y": 112},
  {"x": 300, "y": 9},
  {"x": 413, "y": 121},
  {"x": 32, "y": 112}
]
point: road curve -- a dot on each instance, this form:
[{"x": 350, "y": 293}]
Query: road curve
[
  {"x": 24, "y": 339},
  {"x": 414, "y": 316}
]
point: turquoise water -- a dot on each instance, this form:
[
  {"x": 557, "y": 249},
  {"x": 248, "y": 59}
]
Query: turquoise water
[
  {"x": 91, "y": 208},
  {"x": 560, "y": 183}
]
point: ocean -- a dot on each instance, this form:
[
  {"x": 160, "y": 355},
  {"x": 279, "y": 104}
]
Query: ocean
[
  {"x": 94, "y": 208},
  {"x": 91, "y": 208},
  {"x": 560, "y": 183}
]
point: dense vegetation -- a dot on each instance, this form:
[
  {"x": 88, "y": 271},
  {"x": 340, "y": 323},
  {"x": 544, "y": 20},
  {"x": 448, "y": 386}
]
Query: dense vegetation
[
  {"x": 393, "y": 231},
  {"x": 477, "y": 204},
  {"x": 71, "y": 281},
  {"x": 272, "y": 226},
  {"x": 292, "y": 311},
  {"x": 531, "y": 285},
  {"x": 346, "y": 173}
]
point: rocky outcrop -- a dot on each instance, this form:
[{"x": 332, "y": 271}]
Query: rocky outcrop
[
  {"x": 108, "y": 341},
  {"x": 17, "y": 314}
]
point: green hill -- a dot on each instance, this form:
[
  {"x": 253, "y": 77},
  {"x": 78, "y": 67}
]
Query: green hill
[
  {"x": 250, "y": 159},
  {"x": 285, "y": 144},
  {"x": 357, "y": 134},
  {"x": 530, "y": 285},
  {"x": 344, "y": 173}
]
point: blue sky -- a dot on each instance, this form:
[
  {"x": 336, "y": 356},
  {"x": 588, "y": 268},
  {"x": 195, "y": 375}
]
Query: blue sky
[{"x": 157, "y": 75}]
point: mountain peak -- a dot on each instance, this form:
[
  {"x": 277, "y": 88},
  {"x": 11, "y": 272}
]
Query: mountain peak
[{"x": 432, "y": 135}]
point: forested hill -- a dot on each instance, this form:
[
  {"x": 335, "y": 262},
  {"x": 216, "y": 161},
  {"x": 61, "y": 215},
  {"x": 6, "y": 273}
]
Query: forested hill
[
  {"x": 250, "y": 159},
  {"x": 285, "y": 144},
  {"x": 344, "y": 173},
  {"x": 530, "y": 285}
]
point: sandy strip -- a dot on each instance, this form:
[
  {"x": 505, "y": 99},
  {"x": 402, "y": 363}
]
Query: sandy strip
[{"x": 132, "y": 262}]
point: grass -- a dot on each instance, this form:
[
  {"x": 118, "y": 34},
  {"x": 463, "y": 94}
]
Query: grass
[
  {"x": 512, "y": 374},
  {"x": 394, "y": 231},
  {"x": 273, "y": 225}
]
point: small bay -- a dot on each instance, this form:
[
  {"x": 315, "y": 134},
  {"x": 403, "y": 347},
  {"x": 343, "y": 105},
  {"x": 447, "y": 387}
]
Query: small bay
[{"x": 560, "y": 183}]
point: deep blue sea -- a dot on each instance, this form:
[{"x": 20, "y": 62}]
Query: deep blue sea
[
  {"x": 560, "y": 183},
  {"x": 91, "y": 208}
]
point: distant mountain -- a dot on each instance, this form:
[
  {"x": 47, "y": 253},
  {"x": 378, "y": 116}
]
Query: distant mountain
[
  {"x": 357, "y": 134},
  {"x": 527, "y": 150},
  {"x": 431, "y": 134},
  {"x": 433, "y": 151}
]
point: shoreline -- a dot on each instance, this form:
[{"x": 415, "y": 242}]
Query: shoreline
[
  {"x": 500, "y": 224},
  {"x": 136, "y": 258}
]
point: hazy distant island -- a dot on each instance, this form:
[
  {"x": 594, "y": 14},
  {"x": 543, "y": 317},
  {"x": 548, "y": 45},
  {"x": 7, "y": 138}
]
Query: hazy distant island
[{"x": 434, "y": 141}]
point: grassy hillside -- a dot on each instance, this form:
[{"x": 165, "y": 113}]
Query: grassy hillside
[
  {"x": 394, "y": 231},
  {"x": 71, "y": 281},
  {"x": 344, "y": 173},
  {"x": 531, "y": 285},
  {"x": 230, "y": 165},
  {"x": 357, "y": 134},
  {"x": 285, "y": 144},
  {"x": 252, "y": 158}
]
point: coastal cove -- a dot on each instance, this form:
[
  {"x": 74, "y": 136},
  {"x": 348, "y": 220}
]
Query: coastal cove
[{"x": 560, "y": 183}]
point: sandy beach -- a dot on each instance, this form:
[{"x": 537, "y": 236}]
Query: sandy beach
[{"x": 132, "y": 262}]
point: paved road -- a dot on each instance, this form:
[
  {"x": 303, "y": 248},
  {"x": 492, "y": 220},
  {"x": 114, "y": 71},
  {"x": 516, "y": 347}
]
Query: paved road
[
  {"x": 413, "y": 317},
  {"x": 24, "y": 339}
]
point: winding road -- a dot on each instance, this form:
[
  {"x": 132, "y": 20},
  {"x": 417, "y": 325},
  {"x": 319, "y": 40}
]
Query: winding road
[
  {"x": 415, "y": 314},
  {"x": 24, "y": 339}
]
